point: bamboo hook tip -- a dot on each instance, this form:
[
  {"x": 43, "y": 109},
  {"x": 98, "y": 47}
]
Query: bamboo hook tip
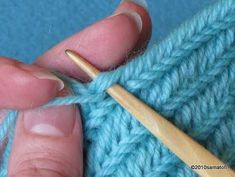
[
  {"x": 68, "y": 51},
  {"x": 82, "y": 63},
  {"x": 72, "y": 55}
]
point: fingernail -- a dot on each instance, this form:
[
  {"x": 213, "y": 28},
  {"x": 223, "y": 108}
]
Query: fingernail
[
  {"x": 142, "y": 3},
  {"x": 49, "y": 76},
  {"x": 41, "y": 73},
  {"x": 53, "y": 121},
  {"x": 134, "y": 16}
]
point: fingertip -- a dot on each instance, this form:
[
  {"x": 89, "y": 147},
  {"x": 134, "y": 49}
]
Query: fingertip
[
  {"x": 141, "y": 7},
  {"x": 105, "y": 44},
  {"x": 24, "y": 86},
  {"x": 49, "y": 148}
]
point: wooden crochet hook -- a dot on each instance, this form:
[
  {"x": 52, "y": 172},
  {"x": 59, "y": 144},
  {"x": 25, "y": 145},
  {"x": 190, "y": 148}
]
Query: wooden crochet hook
[{"x": 188, "y": 150}]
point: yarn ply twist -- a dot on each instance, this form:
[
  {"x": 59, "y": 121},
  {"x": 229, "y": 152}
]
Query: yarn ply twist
[{"x": 189, "y": 78}]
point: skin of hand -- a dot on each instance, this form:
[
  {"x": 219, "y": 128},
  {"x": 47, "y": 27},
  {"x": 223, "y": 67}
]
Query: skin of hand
[{"x": 48, "y": 141}]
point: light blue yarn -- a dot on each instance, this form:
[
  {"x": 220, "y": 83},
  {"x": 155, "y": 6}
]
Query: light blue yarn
[{"x": 189, "y": 78}]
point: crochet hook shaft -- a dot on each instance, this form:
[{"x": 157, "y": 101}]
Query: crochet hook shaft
[{"x": 188, "y": 150}]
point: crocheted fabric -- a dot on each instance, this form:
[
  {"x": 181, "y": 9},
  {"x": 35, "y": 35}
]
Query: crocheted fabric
[{"x": 189, "y": 78}]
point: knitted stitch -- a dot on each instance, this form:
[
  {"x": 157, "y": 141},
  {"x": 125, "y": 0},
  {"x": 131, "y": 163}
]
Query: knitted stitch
[{"x": 189, "y": 78}]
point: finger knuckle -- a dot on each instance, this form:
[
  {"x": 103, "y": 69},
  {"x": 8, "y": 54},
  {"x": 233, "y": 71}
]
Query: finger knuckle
[
  {"x": 44, "y": 165},
  {"x": 33, "y": 172}
]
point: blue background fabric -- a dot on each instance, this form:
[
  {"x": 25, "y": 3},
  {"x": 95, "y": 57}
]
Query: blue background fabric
[
  {"x": 28, "y": 28},
  {"x": 188, "y": 78}
]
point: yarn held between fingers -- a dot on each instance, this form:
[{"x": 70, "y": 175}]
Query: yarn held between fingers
[{"x": 189, "y": 78}]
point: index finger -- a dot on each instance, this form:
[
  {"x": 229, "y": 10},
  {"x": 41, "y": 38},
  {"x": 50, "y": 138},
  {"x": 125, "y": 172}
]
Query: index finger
[{"x": 106, "y": 44}]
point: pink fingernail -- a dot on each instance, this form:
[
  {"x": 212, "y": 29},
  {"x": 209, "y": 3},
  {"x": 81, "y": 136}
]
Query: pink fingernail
[
  {"x": 134, "y": 16},
  {"x": 142, "y": 3},
  {"x": 49, "y": 76},
  {"x": 41, "y": 73},
  {"x": 53, "y": 121}
]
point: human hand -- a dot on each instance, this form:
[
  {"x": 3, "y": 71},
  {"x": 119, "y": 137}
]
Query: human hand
[{"x": 48, "y": 141}]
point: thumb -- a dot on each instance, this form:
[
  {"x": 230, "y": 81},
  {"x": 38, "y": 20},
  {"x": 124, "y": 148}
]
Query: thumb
[{"x": 47, "y": 142}]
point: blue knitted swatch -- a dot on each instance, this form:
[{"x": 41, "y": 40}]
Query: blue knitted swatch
[{"x": 189, "y": 78}]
